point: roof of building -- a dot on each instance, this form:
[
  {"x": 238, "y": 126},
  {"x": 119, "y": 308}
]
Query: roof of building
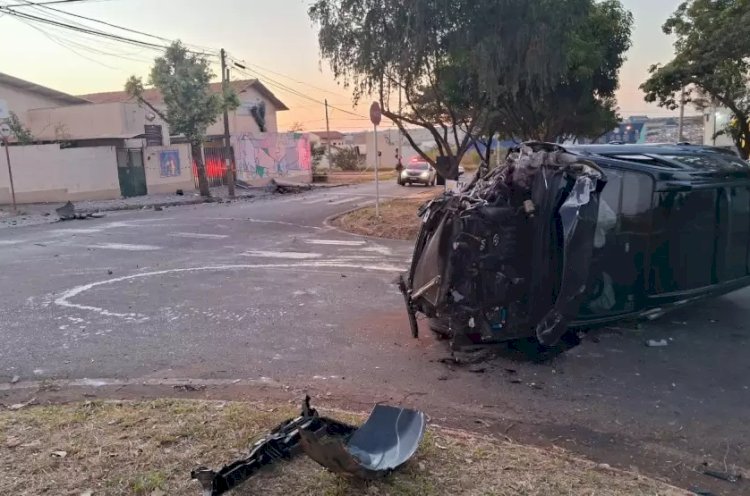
[
  {"x": 154, "y": 96},
  {"x": 328, "y": 135},
  {"x": 40, "y": 90}
]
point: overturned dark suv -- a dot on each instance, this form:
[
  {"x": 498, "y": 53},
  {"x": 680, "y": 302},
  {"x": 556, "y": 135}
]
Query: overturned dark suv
[{"x": 581, "y": 235}]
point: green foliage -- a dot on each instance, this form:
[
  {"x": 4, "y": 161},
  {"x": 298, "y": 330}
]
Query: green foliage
[
  {"x": 712, "y": 60},
  {"x": 468, "y": 69},
  {"x": 22, "y": 134},
  {"x": 348, "y": 159},
  {"x": 183, "y": 77},
  {"x": 316, "y": 156}
]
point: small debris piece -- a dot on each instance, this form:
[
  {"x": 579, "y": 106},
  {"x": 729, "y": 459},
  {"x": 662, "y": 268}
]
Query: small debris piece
[
  {"x": 87, "y": 493},
  {"x": 60, "y": 454},
  {"x": 12, "y": 442},
  {"x": 109, "y": 272},
  {"x": 15, "y": 379},
  {"x": 653, "y": 343},
  {"x": 189, "y": 387},
  {"x": 604, "y": 466},
  {"x": 442, "y": 378},
  {"x": 97, "y": 215},
  {"x": 179, "y": 192},
  {"x": 66, "y": 212},
  {"x": 516, "y": 381},
  {"x": 19, "y": 406},
  {"x": 511, "y": 371},
  {"x": 725, "y": 476},
  {"x": 477, "y": 369},
  {"x": 534, "y": 385},
  {"x": 158, "y": 208}
]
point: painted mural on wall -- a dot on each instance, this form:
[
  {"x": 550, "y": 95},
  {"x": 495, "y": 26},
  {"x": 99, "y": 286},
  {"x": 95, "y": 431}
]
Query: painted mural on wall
[
  {"x": 273, "y": 155},
  {"x": 169, "y": 162}
]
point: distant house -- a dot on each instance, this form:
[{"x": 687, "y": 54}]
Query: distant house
[
  {"x": 251, "y": 93},
  {"x": 324, "y": 138},
  {"x": 22, "y": 96}
]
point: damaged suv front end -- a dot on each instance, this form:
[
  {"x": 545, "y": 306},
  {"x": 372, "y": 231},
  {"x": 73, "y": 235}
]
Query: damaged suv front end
[{"x": 508, "y": 256}]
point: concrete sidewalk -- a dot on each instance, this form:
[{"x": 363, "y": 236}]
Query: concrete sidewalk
[{"x": 43, "y": 213}]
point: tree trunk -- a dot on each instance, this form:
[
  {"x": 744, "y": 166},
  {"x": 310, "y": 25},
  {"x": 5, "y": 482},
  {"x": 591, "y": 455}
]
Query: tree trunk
[
  {"x": 743, "y": 143},
  {"x": 197, "y": 150}
]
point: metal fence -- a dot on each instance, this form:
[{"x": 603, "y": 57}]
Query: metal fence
[{"x": 215, "y": 163}]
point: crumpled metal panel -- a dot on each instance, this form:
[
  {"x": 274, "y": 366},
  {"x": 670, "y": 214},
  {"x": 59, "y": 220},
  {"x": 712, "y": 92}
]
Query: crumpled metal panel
[
  {"x": 508, "y": 256},
  {"x": 386, "y": 441}
]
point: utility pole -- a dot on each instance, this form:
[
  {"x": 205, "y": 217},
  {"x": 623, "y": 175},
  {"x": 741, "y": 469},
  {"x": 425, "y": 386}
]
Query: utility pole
[
  {"x": 328, "y": 138},
  {"x": 400, "y": 135},
  {"x": 10, "y": 172},
  {"x": 228, "y": 162},
  {"x": 680, "y": 137}
]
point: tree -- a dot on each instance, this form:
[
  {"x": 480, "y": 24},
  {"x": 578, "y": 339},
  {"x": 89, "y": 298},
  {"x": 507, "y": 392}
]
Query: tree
[
  {"x": 296, "y": 127},
  {"x": 465, "y": 74},
  {"x": 22, "y": 134},
  {"x": 183, "y": 77},
  {"x": 582, "y": 103},
  {"x": 348, "y": 159},
  {"x": 712, "y": 60}
]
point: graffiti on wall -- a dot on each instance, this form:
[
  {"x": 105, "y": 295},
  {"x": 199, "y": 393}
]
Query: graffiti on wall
[{"x": 269, "y": 155}]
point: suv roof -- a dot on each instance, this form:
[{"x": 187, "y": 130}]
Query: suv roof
[{"x": 648, "y": 148}]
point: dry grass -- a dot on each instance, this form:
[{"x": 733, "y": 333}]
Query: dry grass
[
  {"x": 149, "y": 448},
  {"x": 398, "y": 218},
  {"x": 338, "y": 177}
]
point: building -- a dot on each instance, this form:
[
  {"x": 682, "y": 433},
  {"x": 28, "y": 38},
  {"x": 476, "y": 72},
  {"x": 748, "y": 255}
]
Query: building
[
  {"x": 716, "y": 119},
  {"x": 251, "y": 92},
  {"x": 324, "y": 138},
  {"x": 22, "y": 96},
  {"x": 107, "y": 145},
  {"x": 642, "y": 129}
]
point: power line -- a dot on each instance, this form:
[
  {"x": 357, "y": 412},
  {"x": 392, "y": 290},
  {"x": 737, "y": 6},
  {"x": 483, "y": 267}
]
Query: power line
[
  {"x": 51, "y": 2},
  {"x": 116, "y": 26},
  {"x": 286, "y": 88},
  {"x": 84, "y": 29}
]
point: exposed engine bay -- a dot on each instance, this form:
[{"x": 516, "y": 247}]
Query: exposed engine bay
[{"x": 508, "y": 256}]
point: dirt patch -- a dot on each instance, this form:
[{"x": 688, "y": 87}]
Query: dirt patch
[
  {"x": 359, "y": 177},
  {"x": 398, "y": 218},
  {"x": 149, "y": 448}
]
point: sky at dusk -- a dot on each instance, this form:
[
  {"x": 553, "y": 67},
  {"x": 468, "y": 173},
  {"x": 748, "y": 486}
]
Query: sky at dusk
[{"x": 274, "y": 38}]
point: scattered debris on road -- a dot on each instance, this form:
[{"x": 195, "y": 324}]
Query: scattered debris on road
[
  {"x": 725, "y": 476},
  {"x": 654, "y": 343},
  {"x": 388, "y": 438},
  {"x": 68, "y": 212},
  {"x": 286, "y": 188},
  {"x": 15, "y": 379}
]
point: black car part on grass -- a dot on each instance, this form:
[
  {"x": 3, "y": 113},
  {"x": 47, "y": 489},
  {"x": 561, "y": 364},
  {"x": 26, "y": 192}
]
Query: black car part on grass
[
  {"x": 388, "y": 438},
  {"x": 507, "y": 257}
]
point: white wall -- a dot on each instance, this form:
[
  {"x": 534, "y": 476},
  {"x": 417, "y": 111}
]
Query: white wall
[
  {"x": 46, "y": 173},
  {"x": 20, "y": 101},
  {"x": 158, "y": 184}
]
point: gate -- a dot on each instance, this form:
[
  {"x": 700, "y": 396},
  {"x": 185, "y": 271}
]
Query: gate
[
  {"x": 215, "y": 164},
  {"x": 130, "y": 172}
]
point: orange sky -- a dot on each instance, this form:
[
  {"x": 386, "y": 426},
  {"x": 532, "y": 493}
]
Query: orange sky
[{"x": 274, "y": 38}]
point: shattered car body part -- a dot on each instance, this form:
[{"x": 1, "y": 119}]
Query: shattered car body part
[
  {"x": 388, "y": 438},
  {"x": 386, "y": 441},
  {"x": 508, "y": 256}
]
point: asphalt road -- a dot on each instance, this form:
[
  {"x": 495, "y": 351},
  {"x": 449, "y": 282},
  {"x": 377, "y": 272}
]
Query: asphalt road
[{"x": 264, "y": 292}]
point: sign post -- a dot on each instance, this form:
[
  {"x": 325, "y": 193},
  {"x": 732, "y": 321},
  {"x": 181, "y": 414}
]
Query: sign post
[
  {"x": 375, "y": 117},
  {"x": 5, "y": 133}
]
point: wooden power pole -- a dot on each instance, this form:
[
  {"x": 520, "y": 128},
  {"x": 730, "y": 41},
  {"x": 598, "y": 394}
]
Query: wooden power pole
[
  {"x": 228, "y": 162},
  {"x": 328, "y": 138}
]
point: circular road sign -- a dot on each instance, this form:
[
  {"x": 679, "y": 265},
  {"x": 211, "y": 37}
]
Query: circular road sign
[{"x": 375, "y": 114}]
